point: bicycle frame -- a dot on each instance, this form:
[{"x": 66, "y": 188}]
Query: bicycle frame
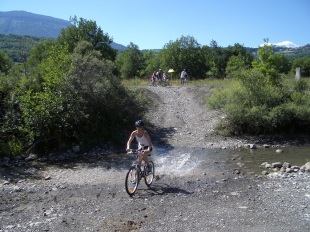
[{"x": 135, "y": 174}]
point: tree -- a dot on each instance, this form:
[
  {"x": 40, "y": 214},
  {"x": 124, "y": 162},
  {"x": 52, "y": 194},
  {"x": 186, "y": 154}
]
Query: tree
[
  {"x": 238, "y": 58},
  {"x": 40, "y": 52},
  {"x": 151, "y": 65},
  {"x": 239, "y": 50},
  {"x": 214, "y": 60},
  {"x": 183, "y": 53},
  {"x": 47, "y": 111},
  {"x": 235, "y": 64},
  {"x": 107, "y": 105},
  {"x": 265, "y": 63},
  {"x": 304, "y": 64},
  {"x": 281, "y": 63},
  {"x": 6, "y": 63},
  {"x": 131, "y": 62},
  {"x": 87, "y": 30}
]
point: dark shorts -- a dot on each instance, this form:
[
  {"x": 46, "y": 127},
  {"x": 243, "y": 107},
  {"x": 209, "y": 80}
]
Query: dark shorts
[{"x": 144, "y": 148}]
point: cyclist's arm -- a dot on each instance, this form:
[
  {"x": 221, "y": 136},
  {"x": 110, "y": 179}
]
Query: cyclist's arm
[
  {"x": 147, "y": 136},
  {"x": 133, "y": 134}
]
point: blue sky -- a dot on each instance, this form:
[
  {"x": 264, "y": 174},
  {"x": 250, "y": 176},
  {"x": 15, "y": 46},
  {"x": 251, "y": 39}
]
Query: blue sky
[{"x": 152, "y": 24}]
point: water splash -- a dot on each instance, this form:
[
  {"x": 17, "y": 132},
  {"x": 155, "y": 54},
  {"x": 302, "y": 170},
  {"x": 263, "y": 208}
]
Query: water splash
[{"x": 174, "y": 162}]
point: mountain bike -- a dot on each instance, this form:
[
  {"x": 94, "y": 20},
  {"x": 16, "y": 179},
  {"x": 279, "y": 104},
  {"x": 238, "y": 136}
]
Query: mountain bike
[
  {"x": 167, "y": 82},
  {"x": 184, "y": 81},
  {"x": 135, "y": 174},
  {"x": 153, "y": 82}
]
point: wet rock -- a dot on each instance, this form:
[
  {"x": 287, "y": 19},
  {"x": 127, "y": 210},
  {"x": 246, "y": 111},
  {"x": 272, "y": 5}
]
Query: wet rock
[
  {"x": 289, "y": 170},
  {"x": 32, "y": 157},
  {"x": 263, "y": 165},
  {"x": 252, "y": 146},
  {"x": 6, "y": 182},
  {"x": 276, "y": 169},
  {"x": 282, "y": 169},
  {"x": 268, "y": 166},
  {"x": 276, "y": 165},
  {"x": 265, "y": 172},
  {"x": 295, "y": 168},
  {"x": 286, "y": 165},
  {"x": 307, "y": 167},
  {"x": 302, "y": 169}
]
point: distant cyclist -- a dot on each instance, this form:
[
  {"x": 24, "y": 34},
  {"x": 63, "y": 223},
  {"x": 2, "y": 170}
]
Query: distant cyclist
[
  {"x": 160, "y": 76},
  {"x": 144, "y": 142},
  {"x": 153, "y": 79},
  {"x": 183, "y": 77}
]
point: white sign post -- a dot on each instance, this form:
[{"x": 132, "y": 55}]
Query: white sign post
[{"x": 297, "y": 73}]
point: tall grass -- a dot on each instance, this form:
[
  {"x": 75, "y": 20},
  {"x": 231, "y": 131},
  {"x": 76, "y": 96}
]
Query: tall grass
[{"x": 212, "y": 82}]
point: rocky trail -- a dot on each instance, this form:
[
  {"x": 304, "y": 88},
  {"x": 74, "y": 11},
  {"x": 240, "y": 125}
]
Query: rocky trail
[{"x": 88, "y": 194}]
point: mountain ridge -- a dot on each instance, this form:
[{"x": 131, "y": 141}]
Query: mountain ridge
[{"x": 24, "y": 23}]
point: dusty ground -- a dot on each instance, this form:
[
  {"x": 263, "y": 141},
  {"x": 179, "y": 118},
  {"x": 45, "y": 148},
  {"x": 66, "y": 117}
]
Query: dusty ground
[
  {"x": 87, "y": 193},
  {"x": 181, "y": 119}
]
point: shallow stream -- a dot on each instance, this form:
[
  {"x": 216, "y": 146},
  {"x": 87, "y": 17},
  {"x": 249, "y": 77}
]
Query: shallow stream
[{"x": 178, "y": 162}]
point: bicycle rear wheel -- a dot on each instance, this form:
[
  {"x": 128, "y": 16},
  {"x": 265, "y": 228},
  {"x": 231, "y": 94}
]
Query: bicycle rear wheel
[
  {"x": 150, "y": 175},
  {"x": 132, "y": 180}
]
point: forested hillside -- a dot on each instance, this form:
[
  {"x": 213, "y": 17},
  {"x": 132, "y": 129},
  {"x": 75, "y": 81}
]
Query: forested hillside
[
  {"x": 18, "y": 47},
  {"x": 25, "y": 23}
]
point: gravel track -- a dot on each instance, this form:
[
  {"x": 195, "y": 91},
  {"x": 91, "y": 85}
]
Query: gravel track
[{"x": 87, "y": 193}]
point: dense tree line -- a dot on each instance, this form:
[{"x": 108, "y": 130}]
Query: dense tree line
[
  {"x": 203, "y": 61},
  {"x": 69, "y": 90},
  {"x": 18, "y": 47},
  {"x": 200, "y": 61}
]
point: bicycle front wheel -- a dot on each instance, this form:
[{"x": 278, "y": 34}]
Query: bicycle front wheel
[
  {"x": 150, "y": 175},
  {"x": 132, "y": 181}
]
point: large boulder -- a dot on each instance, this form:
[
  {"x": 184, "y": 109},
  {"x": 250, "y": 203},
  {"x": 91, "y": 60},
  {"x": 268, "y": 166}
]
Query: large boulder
[{"x": 307, "y": 167}]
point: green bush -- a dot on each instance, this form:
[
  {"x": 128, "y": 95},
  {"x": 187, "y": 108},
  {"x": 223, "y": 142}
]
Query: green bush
[
  {"x": 254, "y": 106},
  {"x": 67, "y": 99}
]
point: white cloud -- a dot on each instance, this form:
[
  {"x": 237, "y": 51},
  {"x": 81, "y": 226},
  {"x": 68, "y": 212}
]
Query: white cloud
[{"x": 287, "y": 44}]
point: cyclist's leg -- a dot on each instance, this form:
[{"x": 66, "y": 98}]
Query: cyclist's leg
[
  {"x": 145, "y": 157},
  {"x": 140, "y": 158}
]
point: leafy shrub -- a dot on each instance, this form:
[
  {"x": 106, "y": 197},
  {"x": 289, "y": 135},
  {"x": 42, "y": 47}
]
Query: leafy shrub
[
  {"x": 68, "y": 99},
  {"x": 254, "y": 106},
  {"x": 300, "y": 86}
]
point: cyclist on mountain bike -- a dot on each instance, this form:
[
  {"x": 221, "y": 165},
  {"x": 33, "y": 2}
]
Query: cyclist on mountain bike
[
  {"x": 144, "y": 142},
  {"x": 183, "y": 77}
]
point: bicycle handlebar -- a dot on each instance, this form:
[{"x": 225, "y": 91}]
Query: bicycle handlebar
[{"x": 134, "y": 151}]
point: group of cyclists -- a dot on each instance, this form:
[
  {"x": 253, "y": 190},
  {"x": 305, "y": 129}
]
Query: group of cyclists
[{"x": 160, "y": 78}]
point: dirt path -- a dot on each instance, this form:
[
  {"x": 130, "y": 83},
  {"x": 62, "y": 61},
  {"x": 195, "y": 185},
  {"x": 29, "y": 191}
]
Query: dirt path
[
  {"x": 88, "y": 194},
  {"x": 182, "y": 120}
]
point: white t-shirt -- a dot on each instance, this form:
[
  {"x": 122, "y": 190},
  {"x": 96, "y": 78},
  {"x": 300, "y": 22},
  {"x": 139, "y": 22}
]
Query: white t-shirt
[{"x": 142, "y": 141}]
